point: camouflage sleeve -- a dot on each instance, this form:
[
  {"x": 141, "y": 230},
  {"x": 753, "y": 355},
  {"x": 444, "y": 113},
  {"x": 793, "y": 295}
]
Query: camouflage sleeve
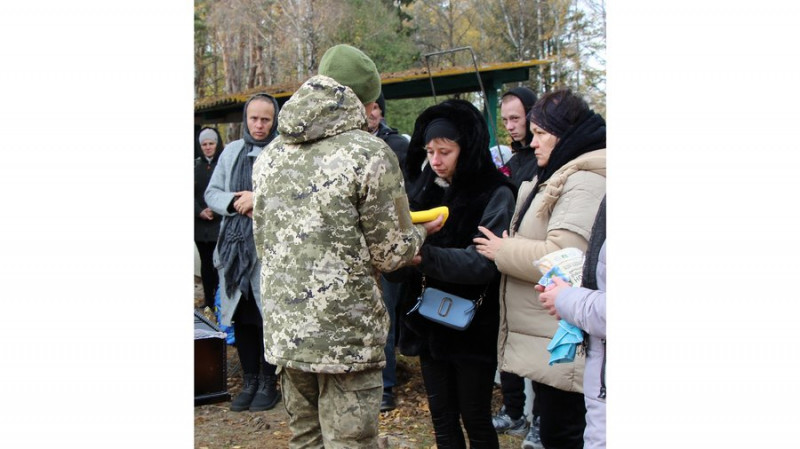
[
  {"x": 259, "y": 216},
  {"x": 384, "y": 215}
]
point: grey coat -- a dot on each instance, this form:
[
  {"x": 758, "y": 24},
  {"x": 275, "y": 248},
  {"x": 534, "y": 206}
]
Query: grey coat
[
  {"x": 586, "y": 309},
  {"x": 218, "y": 197}
]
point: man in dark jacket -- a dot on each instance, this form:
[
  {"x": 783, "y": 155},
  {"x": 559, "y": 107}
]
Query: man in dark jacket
[
  {"x": 514, "y": 107},
  {"x": 206, "y": 222},
  {"x": 376, "y": 124},
  {"x": 392, "y": 291}
]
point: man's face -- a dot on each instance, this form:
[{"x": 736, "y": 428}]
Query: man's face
[
  {"x": 374, "y": 116},
  {"x": 513, "y": 114},
  {"x": 260, "y": 115}
]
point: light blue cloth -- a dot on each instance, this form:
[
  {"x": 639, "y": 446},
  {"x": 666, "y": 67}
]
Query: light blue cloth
[{"x": 565, "y": 342}]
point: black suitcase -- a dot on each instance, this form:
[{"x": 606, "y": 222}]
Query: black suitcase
[{"x": 210, "y": 364}]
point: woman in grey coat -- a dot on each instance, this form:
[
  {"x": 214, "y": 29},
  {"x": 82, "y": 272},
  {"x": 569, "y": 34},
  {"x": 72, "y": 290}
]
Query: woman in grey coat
[
  {"x": 230, "y": 194},
  {"x": 585, "y": 307}
]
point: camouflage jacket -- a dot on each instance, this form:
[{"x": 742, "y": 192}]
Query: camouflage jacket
[{"x": 329, "y": 210}]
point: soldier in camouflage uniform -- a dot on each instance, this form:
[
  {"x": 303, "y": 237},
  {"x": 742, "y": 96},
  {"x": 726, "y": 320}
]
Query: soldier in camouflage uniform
[{"x": 330, "y": 209}]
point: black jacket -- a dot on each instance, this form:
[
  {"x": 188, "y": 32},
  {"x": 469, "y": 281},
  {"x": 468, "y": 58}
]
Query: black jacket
[
  {"x": 523, "y": 165},
  {"x": 396, "y": 142},
  {"x": 204, "y": 230},
  {"x": 478, "y": 195}
]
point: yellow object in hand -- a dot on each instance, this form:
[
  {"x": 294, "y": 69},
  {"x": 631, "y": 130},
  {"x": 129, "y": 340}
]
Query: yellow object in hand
[{"x": 423, "y": 216}]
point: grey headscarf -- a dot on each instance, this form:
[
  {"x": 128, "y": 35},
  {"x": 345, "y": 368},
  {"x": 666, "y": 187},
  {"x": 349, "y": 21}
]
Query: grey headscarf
[{"x": 236, "y": 245}]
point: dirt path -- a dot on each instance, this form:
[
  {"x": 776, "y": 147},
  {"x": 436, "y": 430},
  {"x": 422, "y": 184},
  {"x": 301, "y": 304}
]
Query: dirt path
[{"x": 406, "y": 427}]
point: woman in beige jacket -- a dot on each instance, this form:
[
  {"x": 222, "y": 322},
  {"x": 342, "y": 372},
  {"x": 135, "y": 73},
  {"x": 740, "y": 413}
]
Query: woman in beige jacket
[{"x": 554, "y": 210}]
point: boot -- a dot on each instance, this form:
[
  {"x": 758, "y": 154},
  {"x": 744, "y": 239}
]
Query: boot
[
  {"x": 533, "y": 439},
  {"x": 267, "y": 394},
  {"x": 387, "y": 402},
  {"x": 242, "y": 400}
]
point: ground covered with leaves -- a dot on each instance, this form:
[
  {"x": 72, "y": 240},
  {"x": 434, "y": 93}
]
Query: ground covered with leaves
[{"x": 406, "y": 427}]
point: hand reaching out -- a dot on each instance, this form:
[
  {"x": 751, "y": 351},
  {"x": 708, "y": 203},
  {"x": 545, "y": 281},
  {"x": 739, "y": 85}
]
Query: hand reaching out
[{"x": 488, "y": 247}]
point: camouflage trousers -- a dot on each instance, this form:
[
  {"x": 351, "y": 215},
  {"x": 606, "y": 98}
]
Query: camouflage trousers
[{"x": 332, "y": 410}]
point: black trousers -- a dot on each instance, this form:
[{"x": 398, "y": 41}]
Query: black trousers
[
  {"x": 460, "y": 390},
  {"x": 249, "y": 333},
  {"x": 513, "y": 388},
  {"x": 563, "y": 417},
  {"x": 207, "y": 271}
]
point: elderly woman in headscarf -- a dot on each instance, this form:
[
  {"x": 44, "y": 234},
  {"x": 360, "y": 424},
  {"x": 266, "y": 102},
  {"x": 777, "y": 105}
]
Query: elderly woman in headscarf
[
  {"x": 230, "y": 194},
  {"x": 451, "y": 139},
  {"x": 206, "y": 222},
  {"x": 555, "y": 210}
]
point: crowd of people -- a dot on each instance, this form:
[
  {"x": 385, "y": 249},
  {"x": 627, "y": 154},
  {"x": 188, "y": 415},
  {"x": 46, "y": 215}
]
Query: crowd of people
[{"x": 305, "y": 235}]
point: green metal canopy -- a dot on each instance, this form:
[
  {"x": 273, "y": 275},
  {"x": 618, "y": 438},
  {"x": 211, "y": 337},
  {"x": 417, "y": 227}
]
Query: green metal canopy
[
  {"x": 400, "y": 85},
  {"x": 456, "y": 80}
]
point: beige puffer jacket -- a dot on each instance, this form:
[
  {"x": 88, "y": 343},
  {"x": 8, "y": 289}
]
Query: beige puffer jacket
[{"x": 561, "y": 216}]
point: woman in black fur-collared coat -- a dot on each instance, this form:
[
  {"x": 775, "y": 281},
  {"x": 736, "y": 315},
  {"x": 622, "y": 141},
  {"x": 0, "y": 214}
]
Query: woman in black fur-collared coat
[{"x": 451, "y": 139}]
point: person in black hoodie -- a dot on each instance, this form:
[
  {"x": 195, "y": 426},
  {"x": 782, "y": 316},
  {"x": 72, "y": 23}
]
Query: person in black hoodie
[
  {"x": 376, "y": 124},
  {"x": 458, "y": 367},
  {"x": 206, "y": 222},
  {"x": 514, "y": 107}
]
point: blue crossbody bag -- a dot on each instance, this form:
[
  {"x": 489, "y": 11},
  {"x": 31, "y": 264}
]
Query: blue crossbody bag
[{"x": 445, "y": 308}]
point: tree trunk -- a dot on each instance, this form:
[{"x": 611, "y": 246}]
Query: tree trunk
[
  {"x": 300, "y": 58},
  {"x": 251, "y": 76}
]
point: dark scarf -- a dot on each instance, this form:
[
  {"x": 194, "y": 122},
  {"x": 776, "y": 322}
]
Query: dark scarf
[
  {"x": 596, "y": 241},
  {"x": 587, "y": 135},
  {"x": 237, "y": 246}
]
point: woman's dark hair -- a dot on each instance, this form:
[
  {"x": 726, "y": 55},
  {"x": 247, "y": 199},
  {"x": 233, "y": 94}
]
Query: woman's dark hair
[
  {"x": 558, "y": 111},
  {"x": 579, "y": 130}
]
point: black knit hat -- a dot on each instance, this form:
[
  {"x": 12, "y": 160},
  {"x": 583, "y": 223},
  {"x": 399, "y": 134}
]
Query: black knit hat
[
  {"x": 382, "y": 104},
  {"x": 439, "y": 128},
  {"x": 525, "y": 95},
  {"x": 528, "y": 99}
]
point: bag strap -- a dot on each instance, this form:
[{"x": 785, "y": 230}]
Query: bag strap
[{"x": 477, "y": 302}]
